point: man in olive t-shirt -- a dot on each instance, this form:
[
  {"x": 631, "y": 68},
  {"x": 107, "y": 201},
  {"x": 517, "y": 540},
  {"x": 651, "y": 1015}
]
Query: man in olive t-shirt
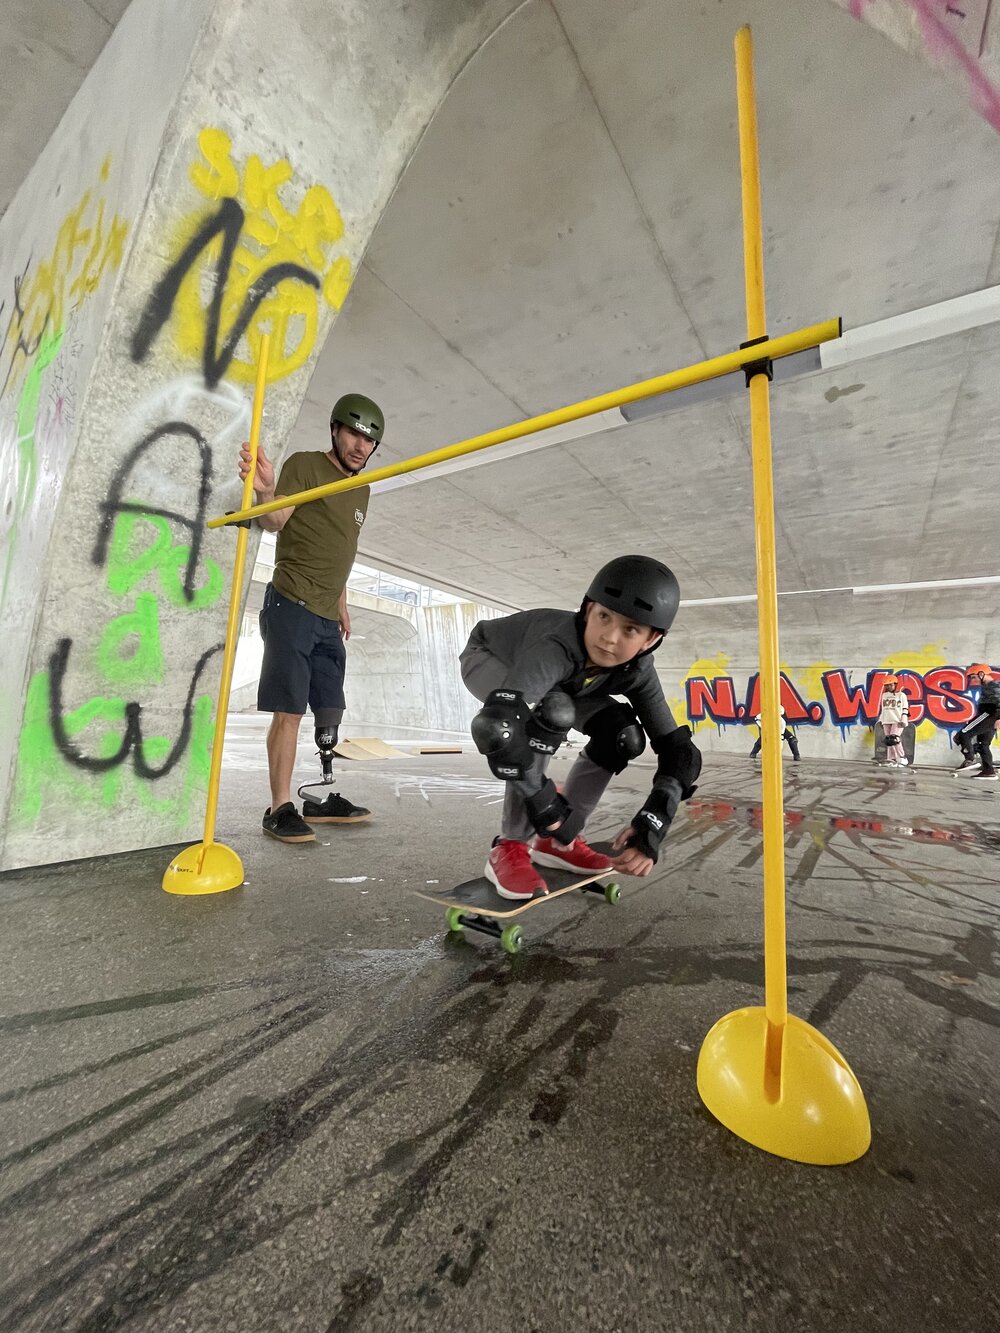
[{"x": 304, "y": 621}]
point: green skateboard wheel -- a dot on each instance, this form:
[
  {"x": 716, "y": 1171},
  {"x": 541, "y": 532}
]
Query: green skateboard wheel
[
  {"x": 613, "y": 893},
  {"x": 454, "y": 918},
  {"x": 511, "y": 938}
]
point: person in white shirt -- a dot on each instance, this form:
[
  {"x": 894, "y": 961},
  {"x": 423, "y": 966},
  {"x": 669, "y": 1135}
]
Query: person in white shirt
[
  {"x": 894, "y": 714},
  {"x": 786, "y": 735}
]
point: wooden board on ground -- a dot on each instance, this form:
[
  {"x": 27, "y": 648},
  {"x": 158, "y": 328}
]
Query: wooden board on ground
[
  {"x": 476, "y": 905},
  {"x": 378, "y": 747},
  {"x": 351, "y": 750},
  {"x": 367, "y": 747}
]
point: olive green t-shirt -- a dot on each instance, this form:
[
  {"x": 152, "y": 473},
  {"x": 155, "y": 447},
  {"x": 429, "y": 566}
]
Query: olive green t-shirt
[{"x": 316, "y": 548}]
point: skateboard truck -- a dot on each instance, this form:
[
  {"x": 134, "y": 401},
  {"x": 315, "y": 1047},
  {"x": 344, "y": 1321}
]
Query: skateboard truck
[{"x": 512, "y": 937}]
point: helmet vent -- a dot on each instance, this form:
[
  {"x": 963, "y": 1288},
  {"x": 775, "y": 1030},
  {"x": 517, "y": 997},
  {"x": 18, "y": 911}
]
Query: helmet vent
[{"x": 645, "y": 606}]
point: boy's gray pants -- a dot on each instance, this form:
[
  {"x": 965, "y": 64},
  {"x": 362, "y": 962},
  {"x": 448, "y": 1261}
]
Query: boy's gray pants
[{"x": 586, "y": 781}]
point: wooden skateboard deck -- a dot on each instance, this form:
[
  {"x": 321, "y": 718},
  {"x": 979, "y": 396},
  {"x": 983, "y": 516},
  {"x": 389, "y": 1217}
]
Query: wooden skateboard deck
[{"x": 476, "y": 904}]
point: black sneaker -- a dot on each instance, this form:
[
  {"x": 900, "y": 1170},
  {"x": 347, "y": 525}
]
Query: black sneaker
[
  {"x": 286, "y": 825},
  {"x": 986, "y": 775},
  {"x": 334, "y": 810}
]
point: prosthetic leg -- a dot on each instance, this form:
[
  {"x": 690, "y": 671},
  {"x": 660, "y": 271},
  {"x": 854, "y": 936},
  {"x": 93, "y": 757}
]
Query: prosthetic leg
[{"x": 333, "y": 809}]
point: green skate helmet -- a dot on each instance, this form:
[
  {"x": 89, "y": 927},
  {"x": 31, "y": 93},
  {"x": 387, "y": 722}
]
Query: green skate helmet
[{"x": 361, "y": 414}]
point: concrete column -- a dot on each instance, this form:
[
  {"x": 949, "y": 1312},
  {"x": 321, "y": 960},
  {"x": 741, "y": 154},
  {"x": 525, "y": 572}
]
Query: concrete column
[{"x": 218, "y": 175}]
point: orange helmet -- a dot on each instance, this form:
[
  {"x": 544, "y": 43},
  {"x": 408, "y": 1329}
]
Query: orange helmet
[
  {"x": 979, "y": 669},
  {"x": 891, "y": 680}
]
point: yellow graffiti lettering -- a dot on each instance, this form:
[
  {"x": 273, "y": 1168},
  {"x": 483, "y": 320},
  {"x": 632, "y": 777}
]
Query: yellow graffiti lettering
[
  {"x": 89, "y": 245},
  {"x": 217, "y": 177},
  {"x": 276, "y": 231}
]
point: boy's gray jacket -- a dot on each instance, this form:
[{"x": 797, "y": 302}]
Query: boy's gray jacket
[{"x": 543, "y": 650}]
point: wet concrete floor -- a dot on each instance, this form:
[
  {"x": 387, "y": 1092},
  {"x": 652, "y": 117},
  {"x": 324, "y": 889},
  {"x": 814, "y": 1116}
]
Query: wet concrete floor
[{"x": 302, "y": 1106}]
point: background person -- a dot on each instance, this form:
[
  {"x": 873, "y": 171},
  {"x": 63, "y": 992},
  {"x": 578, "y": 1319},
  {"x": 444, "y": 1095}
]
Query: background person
[
  {"x": 787, "y": 734},
  {"x": 894, "y": 714},
  {"x": 975, "y": 736}
]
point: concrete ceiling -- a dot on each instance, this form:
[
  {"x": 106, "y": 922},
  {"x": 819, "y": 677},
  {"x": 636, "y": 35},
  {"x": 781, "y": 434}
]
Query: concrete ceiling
[
  {"x": 46, "y": 50},
  {"x": 571, "y": 223}
]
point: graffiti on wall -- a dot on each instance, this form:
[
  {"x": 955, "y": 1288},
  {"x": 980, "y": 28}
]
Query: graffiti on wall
[
  {"x": 937, "y": 696},
  {"x": 37, "y": 394},
  {"x": 262, "y": 264},
  {"x": 955, "y": 34},
  {"x": 115, "y": 709}
]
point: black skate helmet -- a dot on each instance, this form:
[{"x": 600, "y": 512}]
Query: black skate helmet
[{"x": 638, "y": 587}]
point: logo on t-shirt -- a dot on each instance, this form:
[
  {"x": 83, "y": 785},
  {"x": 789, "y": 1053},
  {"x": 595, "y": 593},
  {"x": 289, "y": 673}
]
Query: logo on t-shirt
[{"x": 359, "y": 517}]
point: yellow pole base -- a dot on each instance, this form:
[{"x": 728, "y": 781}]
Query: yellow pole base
[
  {"x": 203, "y": 869},
  {"x": 784, "y": 1089}
]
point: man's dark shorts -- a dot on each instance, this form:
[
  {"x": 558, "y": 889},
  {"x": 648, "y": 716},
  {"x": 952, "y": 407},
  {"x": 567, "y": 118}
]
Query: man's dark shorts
[{"x": 304, "y": 658}]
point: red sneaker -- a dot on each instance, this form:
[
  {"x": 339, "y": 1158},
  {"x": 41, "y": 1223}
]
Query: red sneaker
[
  {"x": 509, "y": 868},
  {"x": 577, "y": 856}
]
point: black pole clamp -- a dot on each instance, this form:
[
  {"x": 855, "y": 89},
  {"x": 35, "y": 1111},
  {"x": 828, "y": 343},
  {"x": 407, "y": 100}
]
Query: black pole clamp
[
  {"x": 248, "y": 522},
  {"x": 765, "y": 366}
]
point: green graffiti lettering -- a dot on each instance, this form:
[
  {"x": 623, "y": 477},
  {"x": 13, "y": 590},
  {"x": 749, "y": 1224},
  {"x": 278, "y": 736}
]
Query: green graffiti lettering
[
  {"x": 41, "y": 770},
  {"x": 143, "y": 665},
  {"x": 172, "y": 584},
  {"x": 127, "y": 569},
  {"x": 27, "y": 417}
]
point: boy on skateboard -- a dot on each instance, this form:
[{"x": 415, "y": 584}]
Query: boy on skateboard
[{"x": 539, "y": 673}]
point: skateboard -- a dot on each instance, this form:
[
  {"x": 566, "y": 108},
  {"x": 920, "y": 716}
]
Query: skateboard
[
  {"x": 476, "y": 905},
  {"x": 908, "y": 735}
]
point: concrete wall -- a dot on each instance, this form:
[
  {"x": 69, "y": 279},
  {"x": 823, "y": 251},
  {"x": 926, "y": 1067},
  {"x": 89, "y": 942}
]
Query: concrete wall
[
  {"x": 410, "y": 678},
  {"x": 832, "y": 676},
  {"x": 403, "y": 667},
  {"x": 63, "y": 243},
  {"x": 249, "y": 164}
]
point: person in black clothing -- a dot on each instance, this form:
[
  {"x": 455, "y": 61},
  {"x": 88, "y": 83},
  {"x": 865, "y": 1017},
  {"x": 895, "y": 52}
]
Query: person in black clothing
[
  {"x": 787, "y": 735},
  {"x": 539, "y": 673},
  {"x": 975, "y": 737}
]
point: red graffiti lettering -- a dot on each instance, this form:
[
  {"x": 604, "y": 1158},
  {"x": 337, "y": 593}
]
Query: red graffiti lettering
[
  {"x": 946, "y": 702},
  {"x": 792, "y": 704},
  {"x": 718, "y": 703},
  {"x": 848, "y": 705}
]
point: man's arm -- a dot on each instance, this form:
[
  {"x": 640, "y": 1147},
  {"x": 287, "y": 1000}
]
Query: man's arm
[
  {"x": 263, "y": 488},
  {"x": 343, "y": 615}
]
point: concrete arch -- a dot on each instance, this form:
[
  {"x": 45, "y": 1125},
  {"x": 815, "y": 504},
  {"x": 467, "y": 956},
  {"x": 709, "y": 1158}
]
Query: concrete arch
[{"x": 195, "y": 192}]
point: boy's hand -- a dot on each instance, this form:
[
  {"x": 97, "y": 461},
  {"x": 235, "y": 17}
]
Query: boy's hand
[
  {"x": 263, "y": 477},
  {"x": 630, "y": 860}
]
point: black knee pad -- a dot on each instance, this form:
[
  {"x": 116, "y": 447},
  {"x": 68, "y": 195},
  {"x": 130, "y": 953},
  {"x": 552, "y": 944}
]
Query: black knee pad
[
  {"x": 615, "y": 738},
  {"x": 549, "y": 723}
]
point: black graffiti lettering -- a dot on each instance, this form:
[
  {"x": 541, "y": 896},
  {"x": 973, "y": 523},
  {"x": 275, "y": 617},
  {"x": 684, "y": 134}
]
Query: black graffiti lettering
[
  {"x": 227, "y": 221},
  {"x": 132, "y": 739},
  {"x": 114, "y": 505}
]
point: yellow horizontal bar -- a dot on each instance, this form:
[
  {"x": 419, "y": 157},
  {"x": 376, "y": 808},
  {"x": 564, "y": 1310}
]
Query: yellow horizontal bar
[{"x": 714, "y": 368}]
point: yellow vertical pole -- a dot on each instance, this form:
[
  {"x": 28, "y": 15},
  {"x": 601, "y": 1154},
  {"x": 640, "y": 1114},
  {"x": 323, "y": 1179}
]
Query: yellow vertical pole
[
  {"x": 775, "y": 984},
  {"x": 767, "y": 1075},
  {"x": 208, "y": 866}
]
